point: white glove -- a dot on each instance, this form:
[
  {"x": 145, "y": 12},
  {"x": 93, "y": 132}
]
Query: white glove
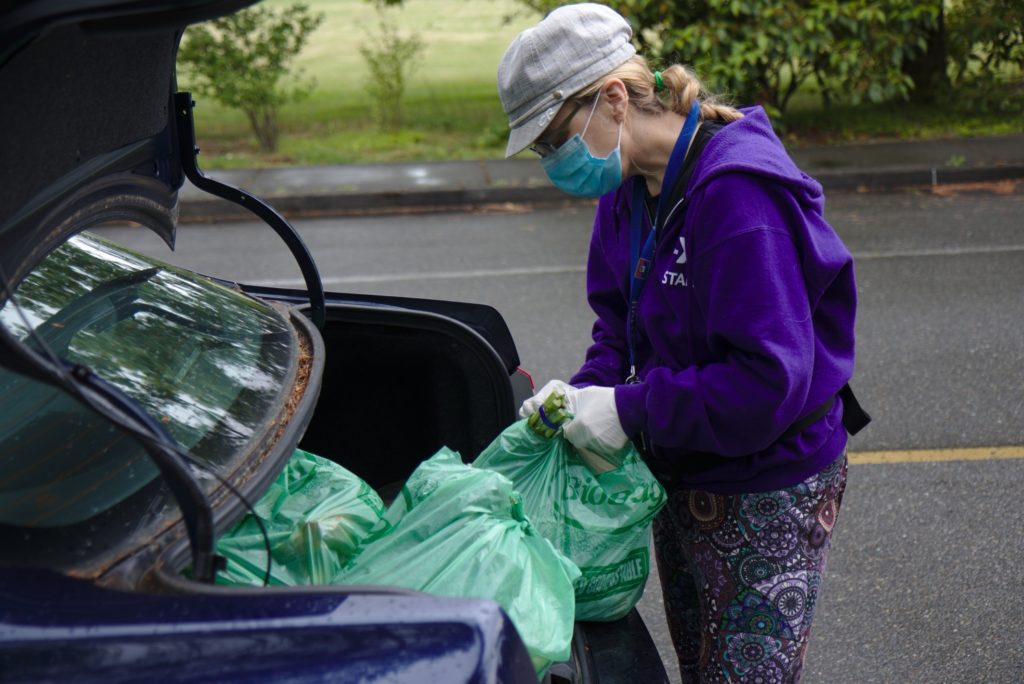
[
  {"x": 531, "y": 405},
  {"x": 595, "y": 423}
]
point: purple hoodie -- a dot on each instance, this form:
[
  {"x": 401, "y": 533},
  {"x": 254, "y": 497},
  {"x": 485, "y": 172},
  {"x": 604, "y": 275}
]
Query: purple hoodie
[{"x": 745, "y": 324}]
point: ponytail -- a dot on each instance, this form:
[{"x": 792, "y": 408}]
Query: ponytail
[
  {"x": 682, "y": 88},
  {"x": 679, "y": 87}
]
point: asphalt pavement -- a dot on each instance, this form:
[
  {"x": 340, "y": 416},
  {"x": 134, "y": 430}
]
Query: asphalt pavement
[{"x": 442, "y": 186}]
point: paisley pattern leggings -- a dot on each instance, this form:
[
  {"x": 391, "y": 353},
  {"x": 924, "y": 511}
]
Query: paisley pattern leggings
[{"x": 740, "y": 576}]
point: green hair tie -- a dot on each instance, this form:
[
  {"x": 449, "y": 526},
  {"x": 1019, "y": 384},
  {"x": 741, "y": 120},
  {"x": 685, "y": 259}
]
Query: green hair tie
[{"x": 659, "y": 84}]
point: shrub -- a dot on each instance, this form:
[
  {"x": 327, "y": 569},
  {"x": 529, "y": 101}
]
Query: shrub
[
  {"x": 985, "y": 40},
  {"x": 390, "y": 59},
  {"x": 764, "y": 51},
  {"x": 241, "y": 60}
]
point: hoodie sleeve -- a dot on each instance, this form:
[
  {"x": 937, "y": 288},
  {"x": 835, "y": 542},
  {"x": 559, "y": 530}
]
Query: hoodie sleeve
[
  {"x": 607, "y": 359},
  {"x": 750, "y": 290}
]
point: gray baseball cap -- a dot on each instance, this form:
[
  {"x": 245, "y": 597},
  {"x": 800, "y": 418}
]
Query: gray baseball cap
[{"x": 545, "y": 65}]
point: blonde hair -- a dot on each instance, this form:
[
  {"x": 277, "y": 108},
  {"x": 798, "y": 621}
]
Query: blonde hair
[{"x": 682, "y": 87}]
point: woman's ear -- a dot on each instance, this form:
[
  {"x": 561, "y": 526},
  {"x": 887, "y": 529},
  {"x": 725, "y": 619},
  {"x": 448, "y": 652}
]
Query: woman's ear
[{"x": 615, "y": 94}]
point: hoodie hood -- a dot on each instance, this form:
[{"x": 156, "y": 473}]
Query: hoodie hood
[{"x": 750, "y": 145}]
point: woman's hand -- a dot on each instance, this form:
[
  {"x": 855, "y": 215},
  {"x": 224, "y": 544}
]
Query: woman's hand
[
  {"x": 595, "y": 423},
  {"x": 531, "y": 405}
]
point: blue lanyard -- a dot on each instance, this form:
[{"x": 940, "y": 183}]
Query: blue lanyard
[{"x": 641, "y": 259}]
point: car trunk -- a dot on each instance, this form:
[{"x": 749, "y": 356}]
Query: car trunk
[{"x": 401, "y": 383}]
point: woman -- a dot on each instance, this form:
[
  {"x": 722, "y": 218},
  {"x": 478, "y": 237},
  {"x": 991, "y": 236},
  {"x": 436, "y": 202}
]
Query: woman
[{"x": 725, "y": 318}]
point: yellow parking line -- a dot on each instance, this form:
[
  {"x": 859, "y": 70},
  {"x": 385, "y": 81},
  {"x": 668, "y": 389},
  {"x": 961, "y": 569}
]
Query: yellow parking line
[{"x": 933, "y": 455}]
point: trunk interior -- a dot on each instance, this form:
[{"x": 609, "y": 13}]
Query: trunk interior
[{"x": 397, "y": 386}]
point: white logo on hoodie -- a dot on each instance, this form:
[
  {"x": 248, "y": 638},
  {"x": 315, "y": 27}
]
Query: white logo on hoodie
[{"x": 676, "y": 279}]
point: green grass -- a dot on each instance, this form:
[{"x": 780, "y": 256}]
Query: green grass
[{"x": 451, "y": 108}]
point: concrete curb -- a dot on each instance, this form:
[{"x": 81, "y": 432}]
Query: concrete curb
[
  {"x": 389, "y": 188},
  {"x": 896, "y": 178},
  {"x": 375, "y": 203},
  {"x": 199, "y": 207}
]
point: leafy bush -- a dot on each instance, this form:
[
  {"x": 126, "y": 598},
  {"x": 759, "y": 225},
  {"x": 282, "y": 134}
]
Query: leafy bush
[
  {"x": 986, "y": 35},
  {"x": 240, "y": 61},
  {"x": 985, "y": 40},
  {"x": 389, "y": 58},
  {"x": 764, "y": 51}
]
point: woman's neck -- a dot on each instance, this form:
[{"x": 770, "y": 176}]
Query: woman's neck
[{"x": 651, "y": 141}]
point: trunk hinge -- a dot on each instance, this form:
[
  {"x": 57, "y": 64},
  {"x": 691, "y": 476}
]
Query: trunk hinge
[{"x": 183, "y": 104}]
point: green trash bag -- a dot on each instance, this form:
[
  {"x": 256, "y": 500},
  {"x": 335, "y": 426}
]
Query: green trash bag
[
  {"x": 459, "y": 531},
  {"x": 596, "y": 509},
  {"x": 316, "y": 513}
]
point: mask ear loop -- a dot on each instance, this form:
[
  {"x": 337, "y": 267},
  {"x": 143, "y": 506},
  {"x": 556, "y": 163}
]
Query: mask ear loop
[{"x": 591, "y": 116}]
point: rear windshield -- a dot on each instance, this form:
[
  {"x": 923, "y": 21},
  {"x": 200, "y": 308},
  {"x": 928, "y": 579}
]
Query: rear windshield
[{"x": 208, "y": 363}]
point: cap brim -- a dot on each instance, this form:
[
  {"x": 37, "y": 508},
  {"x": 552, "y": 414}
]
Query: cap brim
[{"x": 523, "y": 135}]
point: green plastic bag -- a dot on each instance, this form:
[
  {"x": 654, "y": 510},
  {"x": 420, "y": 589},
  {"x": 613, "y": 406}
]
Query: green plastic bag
[
  {"x": 459, "y": 531},
  {"x": 316, "y": 514},
  {"x": 596, "y": 509}
]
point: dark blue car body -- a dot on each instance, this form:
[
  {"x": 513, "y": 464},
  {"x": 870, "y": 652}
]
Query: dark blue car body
[{"x": 54, "y": 628}]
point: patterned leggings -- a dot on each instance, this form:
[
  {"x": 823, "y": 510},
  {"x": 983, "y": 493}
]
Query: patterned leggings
[{"x": 740, "y": 576}]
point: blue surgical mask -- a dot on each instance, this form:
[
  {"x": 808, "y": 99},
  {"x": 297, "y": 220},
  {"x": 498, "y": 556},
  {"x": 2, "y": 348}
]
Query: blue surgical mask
[{"x": 573, "y": 169}]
